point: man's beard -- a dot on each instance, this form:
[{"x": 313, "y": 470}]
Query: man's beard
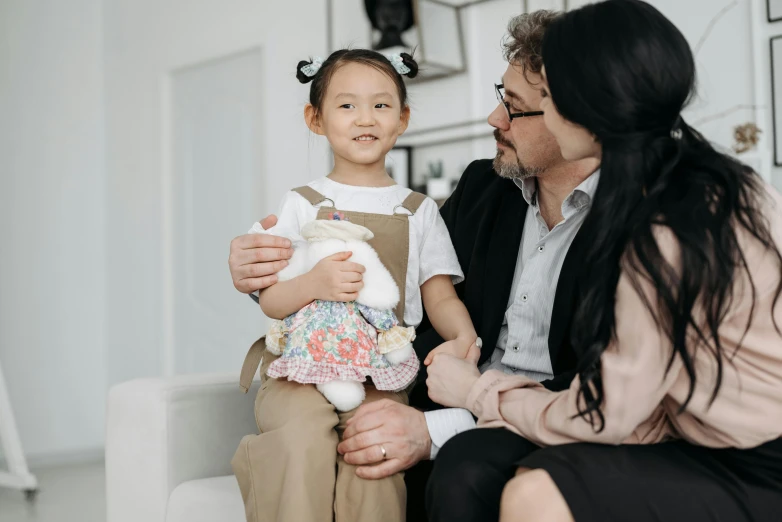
[{"x": 512, "y": 169}]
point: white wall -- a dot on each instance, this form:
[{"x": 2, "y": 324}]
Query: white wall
[
  {"x": 146, "y": 42},
  {"x": 52, "y": 248},
  {"x": 732, "y": 70}
]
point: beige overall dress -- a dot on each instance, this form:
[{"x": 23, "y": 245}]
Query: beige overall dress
[{"x": 291, "y": 471}]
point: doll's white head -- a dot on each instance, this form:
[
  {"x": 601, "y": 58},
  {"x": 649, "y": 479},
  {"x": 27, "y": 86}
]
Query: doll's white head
[{"x": 321, "y": 230}]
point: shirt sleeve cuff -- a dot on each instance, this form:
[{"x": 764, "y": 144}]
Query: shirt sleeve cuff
[
  {"x": 484, "y": 397},
  {"x": 455, "y": 273},
  {"x": 444, "y": 424}
]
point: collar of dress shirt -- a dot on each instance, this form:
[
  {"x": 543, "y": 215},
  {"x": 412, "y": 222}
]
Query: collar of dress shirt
[{"x": 580, "y": 197}]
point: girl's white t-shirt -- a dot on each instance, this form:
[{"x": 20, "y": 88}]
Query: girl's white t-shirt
[{"x": 431, "y": 251}]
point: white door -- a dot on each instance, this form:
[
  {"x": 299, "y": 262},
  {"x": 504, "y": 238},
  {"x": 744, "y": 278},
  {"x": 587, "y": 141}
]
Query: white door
[
  {"x": 216, "y": 146},
  {"x": 204, "y": 135}
]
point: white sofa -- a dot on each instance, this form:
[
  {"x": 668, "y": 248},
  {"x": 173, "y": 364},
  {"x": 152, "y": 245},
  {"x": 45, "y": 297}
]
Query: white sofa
[{"x": 169, "y": 444}]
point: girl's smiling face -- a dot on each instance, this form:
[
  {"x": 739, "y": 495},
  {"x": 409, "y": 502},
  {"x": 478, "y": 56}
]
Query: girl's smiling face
[{"x": 361, "y": 114}]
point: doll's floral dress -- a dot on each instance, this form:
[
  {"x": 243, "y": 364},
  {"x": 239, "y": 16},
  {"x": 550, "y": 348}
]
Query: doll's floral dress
[{"x": 328, "y": 340}]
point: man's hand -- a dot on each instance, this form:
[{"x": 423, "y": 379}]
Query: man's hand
[
  {"x": 400, "y": 429},
  {"x": 255, "y": 259},
  {"x": 450, "y": 380}
]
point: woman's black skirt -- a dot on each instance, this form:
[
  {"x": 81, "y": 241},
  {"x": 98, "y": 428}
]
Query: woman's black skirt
[{"x": 673, "y": 481}]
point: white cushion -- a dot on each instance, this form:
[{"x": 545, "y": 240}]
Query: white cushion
[{"x": 206, "y": 500}]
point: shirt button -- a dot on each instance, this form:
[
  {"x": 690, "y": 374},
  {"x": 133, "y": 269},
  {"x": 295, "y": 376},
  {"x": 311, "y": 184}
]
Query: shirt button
[
  {"x": 541, "y": 248},
  {"x": 515, "y": 348},
  {"x": 524, "y": 298}
]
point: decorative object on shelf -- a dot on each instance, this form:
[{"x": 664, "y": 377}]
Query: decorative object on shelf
[
  {"x": 441, "y": 153},
  {"x": 391, "y": 18},
  {"x": 435, "y": 170},
  {"x": 746, "y": 137},
  {"x": 431, "y": 30},
  {"x": 440, "y": 51},
  {"x": 399, "y": 165},
  {"x": 774, "y": 10},
  {"x": 437, "y": 186},
  {"x": 439, "y": 46}
]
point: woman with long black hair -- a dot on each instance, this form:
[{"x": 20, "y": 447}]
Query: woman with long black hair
[{"x": 676, "y": 411}]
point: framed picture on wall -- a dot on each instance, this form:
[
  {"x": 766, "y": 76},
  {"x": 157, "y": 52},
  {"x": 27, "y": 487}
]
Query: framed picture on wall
[
  {"x": 774, "y": 10},
  {"x": 399, "y": 164},
  {"x": 776, "y": 96}
]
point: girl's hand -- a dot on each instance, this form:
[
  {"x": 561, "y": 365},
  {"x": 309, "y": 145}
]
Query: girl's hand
[
  {"x": 336, "y": 279},
  {"x": 460, "y": 347},
  {"x": 449, "y": 380}
]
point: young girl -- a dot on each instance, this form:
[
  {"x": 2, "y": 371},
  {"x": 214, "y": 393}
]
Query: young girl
[{"x": 291, "y": 471}]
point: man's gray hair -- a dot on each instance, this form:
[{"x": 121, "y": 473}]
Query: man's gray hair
[{"x": 523, "y": 45}]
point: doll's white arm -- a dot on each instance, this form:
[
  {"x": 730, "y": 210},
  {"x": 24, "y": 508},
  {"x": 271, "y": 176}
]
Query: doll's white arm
[
  {"x": 298, "y": 264},
  {"x": 380, "y": 290}
]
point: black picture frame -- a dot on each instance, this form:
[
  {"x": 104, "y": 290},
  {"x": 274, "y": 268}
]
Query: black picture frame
[
  {"x": 776, "y": 102},
  {"x": 777, "y": 15}
]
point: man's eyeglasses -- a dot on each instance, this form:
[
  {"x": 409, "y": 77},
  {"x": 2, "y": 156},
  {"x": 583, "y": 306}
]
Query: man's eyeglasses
[{"x": 500, "y": 90}]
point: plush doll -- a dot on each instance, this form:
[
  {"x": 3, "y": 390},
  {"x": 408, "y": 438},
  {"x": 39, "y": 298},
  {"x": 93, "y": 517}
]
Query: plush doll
[{"x": 337, "y": 345}]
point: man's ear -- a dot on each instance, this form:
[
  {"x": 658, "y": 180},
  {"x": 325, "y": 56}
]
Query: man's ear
[
  {"x": 404, "y": 119},
  {"x": 312, "y": 119}
]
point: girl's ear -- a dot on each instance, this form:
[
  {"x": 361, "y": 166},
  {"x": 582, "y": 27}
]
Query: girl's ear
[
  {"x": 404, "y": 120},
  {"x": 312, "y": 119}
]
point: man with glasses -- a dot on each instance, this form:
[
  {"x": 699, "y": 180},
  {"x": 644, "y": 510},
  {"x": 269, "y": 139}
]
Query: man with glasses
[{"x": 515, "y": 222}]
